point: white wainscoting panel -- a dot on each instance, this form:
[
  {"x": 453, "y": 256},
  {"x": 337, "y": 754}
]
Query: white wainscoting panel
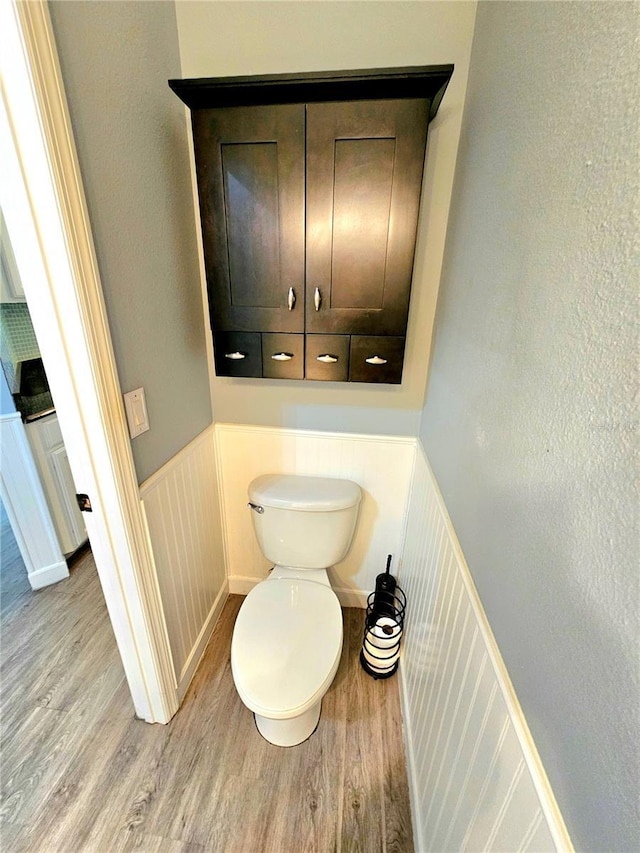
[
  {"x": 182, "y": 510},
  {"x": 381, "y": 465},
  {"x": 476, "y": 779}
]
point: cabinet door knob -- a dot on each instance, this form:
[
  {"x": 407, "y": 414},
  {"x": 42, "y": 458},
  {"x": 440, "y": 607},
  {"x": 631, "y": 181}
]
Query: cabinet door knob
[
  {"x": 282, "y": 356},
  {"x": 375, "y": 359},
  {"x": 317, "y": 299},
  {"x": 291, "y": 299},
  {"x": 235, "y": 356},
  {"x": 327, "y": 358}
]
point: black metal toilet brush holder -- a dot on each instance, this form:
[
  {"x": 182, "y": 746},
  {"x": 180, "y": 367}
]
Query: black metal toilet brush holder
[{"x": 383, "y": 626}]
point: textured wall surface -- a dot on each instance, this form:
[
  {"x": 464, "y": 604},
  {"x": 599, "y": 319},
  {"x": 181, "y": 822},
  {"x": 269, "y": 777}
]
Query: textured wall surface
[
  {"x": 270, "y": 37},
  {"x": 132, "y": 145},
  {"x": 529, "y": 422}
]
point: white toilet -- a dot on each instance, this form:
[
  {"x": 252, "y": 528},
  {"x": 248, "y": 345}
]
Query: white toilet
[{"x": 287, "y": 638}]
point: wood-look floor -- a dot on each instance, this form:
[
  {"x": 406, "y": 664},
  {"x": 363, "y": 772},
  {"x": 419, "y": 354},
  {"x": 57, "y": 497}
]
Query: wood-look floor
[{"x": 80, "y": 773}]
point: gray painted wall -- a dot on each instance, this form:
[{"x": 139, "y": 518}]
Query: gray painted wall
[
  {"x": 131, "y": 136},
  {"x": 529, "y": 418}
]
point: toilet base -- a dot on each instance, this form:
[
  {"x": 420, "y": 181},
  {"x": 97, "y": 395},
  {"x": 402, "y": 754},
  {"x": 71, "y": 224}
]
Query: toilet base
[{"x": 289, "y": 732}]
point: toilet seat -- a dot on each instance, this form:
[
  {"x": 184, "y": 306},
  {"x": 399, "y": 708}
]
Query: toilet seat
[{"x": 286, "y": 646}]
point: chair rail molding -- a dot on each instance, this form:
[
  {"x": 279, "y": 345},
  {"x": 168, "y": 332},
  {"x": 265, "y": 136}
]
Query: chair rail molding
[{"x": 56, "y": 256}]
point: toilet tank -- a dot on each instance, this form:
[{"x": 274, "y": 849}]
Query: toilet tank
[{"x": 305, "y": 522}]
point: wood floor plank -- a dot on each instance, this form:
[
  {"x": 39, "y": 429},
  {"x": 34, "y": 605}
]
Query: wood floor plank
[
  {"x": 309, "y": 813},
  {"x": 198, "y": 740},
  {"x": 102, "y": 791},
  {"x": 82, "y": 775},
  {"x": 33, "y": 762},
  {"x": 398, "y": 831},
  {"x": 155, "y": 844},
  {"x": 73, "y": 665},
  {"x": 133, "y": 778},
  {"x": 14, "y": 586},
  {"x": 68, "y": 662},
  {"x": 13, "y": 838},
  {"x": 235, "y": 744},
  {"x": 363, "y": 803}
]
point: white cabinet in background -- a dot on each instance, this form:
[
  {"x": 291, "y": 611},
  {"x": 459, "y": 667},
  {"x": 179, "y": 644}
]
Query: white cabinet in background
[{"x": 51, "y": 461}]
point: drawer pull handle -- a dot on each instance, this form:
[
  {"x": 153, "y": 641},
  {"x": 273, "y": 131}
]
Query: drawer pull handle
[
  {"x": 327, "y": 358},
  {"x": 291, "y": 299},
  {"x": 375, "y": 359},
  {"x": 235, "y": 356},
  {"x": 317, "y": 298},
  {"x": 282, "y": 356}
]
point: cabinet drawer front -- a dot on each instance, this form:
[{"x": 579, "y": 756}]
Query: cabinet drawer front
[
  {"x": 283, "y": 356},
  {"x": 327, "y": 358},
  {"x": 237, "y": 353},
  {"x": 376, "y": 359}
]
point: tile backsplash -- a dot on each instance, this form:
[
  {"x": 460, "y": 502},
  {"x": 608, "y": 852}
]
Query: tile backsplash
[
  {"x": 17, "y": 338},
  {"x": 18, "y": 343}
]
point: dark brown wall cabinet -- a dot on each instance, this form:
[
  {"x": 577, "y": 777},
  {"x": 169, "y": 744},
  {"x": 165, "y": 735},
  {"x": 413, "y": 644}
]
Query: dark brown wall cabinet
[{"x": 309, "y": 190}]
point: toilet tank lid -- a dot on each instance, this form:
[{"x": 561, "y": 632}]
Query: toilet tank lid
[{"x": 309, "y": 494}]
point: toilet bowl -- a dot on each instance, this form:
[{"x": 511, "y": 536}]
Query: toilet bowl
[
  {"x": 287, "y": 639},
  {"x": 285, "y": 652}
]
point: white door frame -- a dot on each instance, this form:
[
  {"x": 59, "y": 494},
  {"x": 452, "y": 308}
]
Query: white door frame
[{"x": 56, "y": 258}]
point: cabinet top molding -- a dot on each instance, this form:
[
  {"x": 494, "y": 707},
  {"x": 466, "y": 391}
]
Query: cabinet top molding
[{"x": 424, "y": 81}]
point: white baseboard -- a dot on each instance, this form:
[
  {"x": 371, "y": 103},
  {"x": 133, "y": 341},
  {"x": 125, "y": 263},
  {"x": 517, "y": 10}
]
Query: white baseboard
[
  {"x": 352, "y": 597},
  {"x": 195, "y": 656},
  {"x": 47, "y": 575},
  {"x": 242, "y": 585}
]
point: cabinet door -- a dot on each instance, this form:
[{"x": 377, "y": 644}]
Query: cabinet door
[
  {"x": 364, "y": 175},
  {"x": 250, "y": 166}
]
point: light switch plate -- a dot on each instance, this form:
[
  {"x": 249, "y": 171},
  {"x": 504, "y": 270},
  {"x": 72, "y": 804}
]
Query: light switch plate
[{"x": 136, "y": 409}]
